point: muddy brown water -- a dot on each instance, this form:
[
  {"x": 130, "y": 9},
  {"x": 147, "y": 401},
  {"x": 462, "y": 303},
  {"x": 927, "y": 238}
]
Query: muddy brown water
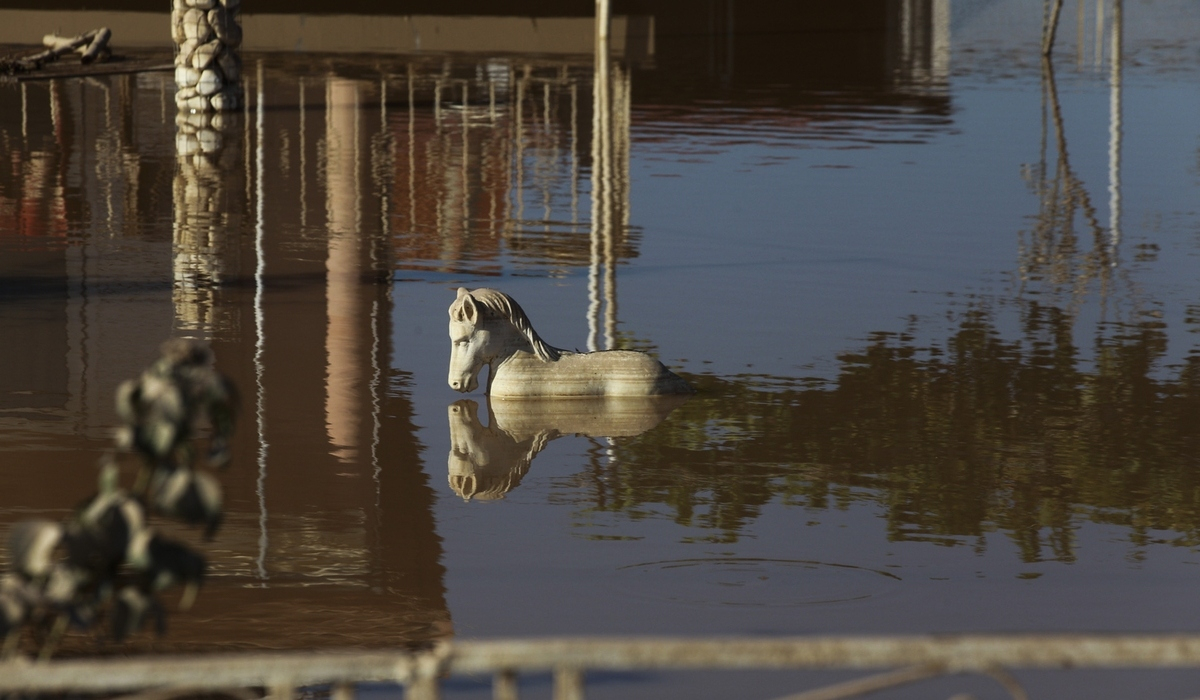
[{"x": 940, "y": 306}]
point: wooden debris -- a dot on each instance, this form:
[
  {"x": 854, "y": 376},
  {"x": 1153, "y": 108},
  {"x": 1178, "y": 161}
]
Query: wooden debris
[
  {"x": 92, "y": 47},
  {"x": 98, "y": 49}
]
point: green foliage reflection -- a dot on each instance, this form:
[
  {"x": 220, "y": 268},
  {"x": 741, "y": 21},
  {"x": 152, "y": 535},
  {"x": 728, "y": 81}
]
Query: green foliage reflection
[{"x": 955, "y": 440}]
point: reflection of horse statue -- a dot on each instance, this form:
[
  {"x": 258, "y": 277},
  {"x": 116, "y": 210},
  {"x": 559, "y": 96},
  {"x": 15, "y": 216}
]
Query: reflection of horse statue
[
  {"x": 488, "y": 327},
  {"x": 488, "y": 462}
]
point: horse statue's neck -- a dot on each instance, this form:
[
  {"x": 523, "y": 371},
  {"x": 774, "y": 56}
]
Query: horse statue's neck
[{"x": 514, "y": 345}]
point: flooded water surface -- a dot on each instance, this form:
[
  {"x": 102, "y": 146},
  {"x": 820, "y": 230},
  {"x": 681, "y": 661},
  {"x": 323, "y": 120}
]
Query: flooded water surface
[{"x": 940, "y": 302}]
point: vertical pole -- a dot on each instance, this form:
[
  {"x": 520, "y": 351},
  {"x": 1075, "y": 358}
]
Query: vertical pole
[
  {"x": 601, "y": 181},
  {"x": 547, "y": 201},
  {"x": 303, "y": 161},
  {"x": 939, "y": 42},
  {"x": 1114, "y": 133},
  {"x": 423, "y": 688},
  {"x": 612, "y": 190},
  {"x": 574, "y": 152},
  {"x": 491, "y": 99},
  {"x": 605, "y": 169},
  {"x": 25, "y": 114},
  {"x": 260, "y": 336},
  {"x": 1050, "y": 27},
  {"x": 412, "y": 158},
  {"x": 597, "y": 188},
  {"x": 465, "y": 194},
  {"x": 519, "y": 140},
  {"x": 603, "y": 22},
  {"x": 1080, "y": 8},
  {"x": 568, "y": 684},
  {"x": 345, "y": 376},
  {"x": 504, "y": 686}
]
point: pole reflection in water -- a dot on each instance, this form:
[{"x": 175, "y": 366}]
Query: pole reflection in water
[
  {"x": 344, "y": 381},
  {"x": 1052, "y": 255},
  {"x": 1114, "y": 132},
  {"x": 609, "y": 183},
  {"x": 601, "y": 178},
  {"x": 260, "y": 336}
]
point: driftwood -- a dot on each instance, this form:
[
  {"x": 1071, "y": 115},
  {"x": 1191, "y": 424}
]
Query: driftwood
[
  {"x": 97, "y": 50},
  {"x": 92, "y": 46}
]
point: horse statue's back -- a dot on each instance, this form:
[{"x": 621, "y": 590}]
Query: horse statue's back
[{"x": 488, "y": 327}]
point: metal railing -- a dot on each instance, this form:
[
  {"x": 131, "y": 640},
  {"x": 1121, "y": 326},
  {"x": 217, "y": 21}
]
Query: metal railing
[{"x": 910, "y": 658}]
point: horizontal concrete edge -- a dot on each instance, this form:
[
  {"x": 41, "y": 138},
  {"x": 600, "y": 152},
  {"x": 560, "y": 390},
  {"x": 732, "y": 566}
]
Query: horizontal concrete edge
[
  {"x": 631, "y": 37},
  {"x": 951, "y": 653}
]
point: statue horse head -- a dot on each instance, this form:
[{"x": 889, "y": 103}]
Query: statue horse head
[{"x": 487, "y": 326}]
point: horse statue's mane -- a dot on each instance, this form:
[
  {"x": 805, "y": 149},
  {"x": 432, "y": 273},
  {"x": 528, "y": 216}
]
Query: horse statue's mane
[{"x": 507, "y": 308}]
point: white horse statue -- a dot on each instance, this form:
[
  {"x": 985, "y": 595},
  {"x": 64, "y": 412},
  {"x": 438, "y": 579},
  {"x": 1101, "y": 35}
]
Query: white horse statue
[{"x": 488, "y": 327}]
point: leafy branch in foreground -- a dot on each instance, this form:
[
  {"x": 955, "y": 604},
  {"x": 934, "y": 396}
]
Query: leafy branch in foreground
[{"x": 104, "y": 565}]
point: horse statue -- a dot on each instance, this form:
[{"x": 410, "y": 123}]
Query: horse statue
[{"x": 488, "y": 327}]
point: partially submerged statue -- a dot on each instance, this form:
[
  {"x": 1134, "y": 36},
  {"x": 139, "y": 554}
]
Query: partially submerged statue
[{"x": 488, "y": 327}]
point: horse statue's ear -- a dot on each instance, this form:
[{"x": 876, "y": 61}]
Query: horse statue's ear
[{"x": 463, "y": 309}]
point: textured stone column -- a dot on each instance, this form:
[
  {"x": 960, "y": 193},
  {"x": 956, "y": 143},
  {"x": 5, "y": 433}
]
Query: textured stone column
[
  {"x": 208, "y": 63},
  {"x": 208, "y": 77}
]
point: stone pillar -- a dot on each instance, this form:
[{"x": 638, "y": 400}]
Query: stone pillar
[
  {"x": 208, "y": 77},
  {"x": 208, "y": 64}
]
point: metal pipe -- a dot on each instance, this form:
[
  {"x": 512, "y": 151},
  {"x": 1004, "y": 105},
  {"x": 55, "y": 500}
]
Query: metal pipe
[{"x": 956, "y": 654}]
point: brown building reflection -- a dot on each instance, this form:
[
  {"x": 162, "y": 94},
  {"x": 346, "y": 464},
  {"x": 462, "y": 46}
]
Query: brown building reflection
[
  {"x": 113, "y": 240},
  {"x": 84, "y": 158},
  {"x": 340, "y": 501}
]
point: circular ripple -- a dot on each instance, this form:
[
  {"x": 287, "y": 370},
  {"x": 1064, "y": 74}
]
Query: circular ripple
[{"x": 755, "y": 582}]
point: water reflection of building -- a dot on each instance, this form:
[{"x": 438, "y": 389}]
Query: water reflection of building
[
  {"x": 488, "y": 163},
  {"x": 104, "y": 220},
  {"x": 890, "y": 49},
  {"x": 327, "y": 415},
  {"x": 82, "y": 157}
]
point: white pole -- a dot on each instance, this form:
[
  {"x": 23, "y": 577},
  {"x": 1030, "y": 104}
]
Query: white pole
[
  {"x": 260, "y": 337},
  {"x": 1114, "y": 133}
]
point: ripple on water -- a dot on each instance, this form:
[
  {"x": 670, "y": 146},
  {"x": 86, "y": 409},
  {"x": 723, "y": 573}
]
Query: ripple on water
[{"x": 721, "y": 581}]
